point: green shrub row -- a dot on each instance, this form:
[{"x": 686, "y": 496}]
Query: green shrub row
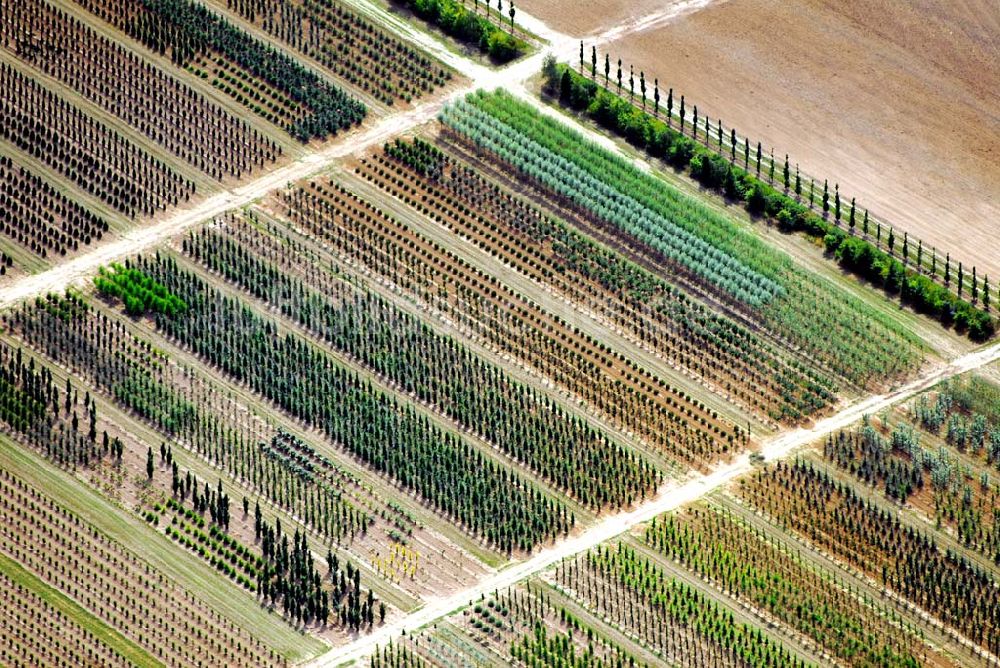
[
  {"x": 188, "y": 29},
  {"x": 715, "y": 172},
  {"x": 140, "y": 293},
  {"x": 458, "y": 22}
]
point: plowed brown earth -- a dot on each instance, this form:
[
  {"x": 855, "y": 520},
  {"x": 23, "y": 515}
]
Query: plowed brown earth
[{"x": 899, "y": 102}]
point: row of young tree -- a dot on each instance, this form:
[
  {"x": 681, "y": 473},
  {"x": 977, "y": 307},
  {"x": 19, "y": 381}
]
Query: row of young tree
[
  {"x": 84, "y": 563},
  {"x": 182, "y": 407},
  {"x": 752, "y": 566},
  {"x": 187, "y": 30},
  {"x": 442, "y": 373},
  {"x": 715, "y": 348},
  {"x": 677, "y": 621},
  {"x": 89, "y": 153},
  {"x": 903, "y": 467},
  {"x": 835, "y": 517},
  {"x": 392, "y": 437},
  {"x": 39, "y": 217},
  {"x": 159, "y": 106},
  {"x": 842, "y": 336},
  {"x": 667, "y": 234},
  {"x": 353, "y": 47},
  {"x": 57, "y": 425}
]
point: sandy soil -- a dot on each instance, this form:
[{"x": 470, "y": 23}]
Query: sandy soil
[
  {"x": 898, "y": 102},
  {"x": 578, "y": 19}
]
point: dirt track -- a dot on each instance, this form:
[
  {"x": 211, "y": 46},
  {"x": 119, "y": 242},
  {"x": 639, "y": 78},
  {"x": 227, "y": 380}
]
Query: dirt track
[
  {"x": 902, "y": 111},
  {"x": 671, "y": 496}
]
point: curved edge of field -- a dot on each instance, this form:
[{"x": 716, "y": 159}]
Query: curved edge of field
[
  {"x": 101, "y": 631},
  {"x": 134, "y": 535}
]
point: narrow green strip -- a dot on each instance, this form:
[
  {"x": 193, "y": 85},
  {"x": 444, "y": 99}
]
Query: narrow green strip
[{"x": 55, "y": 598}]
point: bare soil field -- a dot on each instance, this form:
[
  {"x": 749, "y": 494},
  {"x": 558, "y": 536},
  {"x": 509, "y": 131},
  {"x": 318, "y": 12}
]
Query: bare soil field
[{"x": 898, "y": 102}]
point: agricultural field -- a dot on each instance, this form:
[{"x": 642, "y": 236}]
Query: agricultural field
[
  {"x": 678, "y": 234},
  {"x": 118, "y": 114},
  {"x": 801, "y": 550},
  {"x": 349, "y": 45},
  {"x": 913, "y": 103},
  {"x": 342, "y": 332}
]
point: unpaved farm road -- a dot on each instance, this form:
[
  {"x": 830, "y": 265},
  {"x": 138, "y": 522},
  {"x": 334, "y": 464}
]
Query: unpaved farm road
[
  {"x": 671, "y": 496},
  {"x": 83, "y": 266}
]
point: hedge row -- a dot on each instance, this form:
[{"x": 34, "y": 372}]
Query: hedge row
[
  {"x": 458, "y": 22},
  {"x": 714, "y": 171}
]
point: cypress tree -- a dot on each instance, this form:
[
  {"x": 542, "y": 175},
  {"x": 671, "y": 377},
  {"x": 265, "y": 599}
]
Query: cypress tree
[
  {"x": 851, "y": 220},
  {"x": 593, "y": 60},
  {"x": 787, "y": 174},
  {"x": 826, "y": 197}
]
